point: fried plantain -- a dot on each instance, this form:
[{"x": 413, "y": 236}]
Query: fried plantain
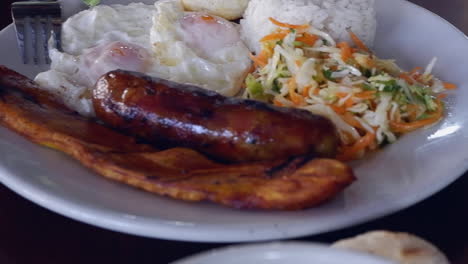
[{"x": 179, "y": 173}]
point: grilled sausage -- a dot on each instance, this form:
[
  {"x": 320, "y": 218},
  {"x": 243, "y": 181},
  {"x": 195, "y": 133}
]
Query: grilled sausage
[{"x": 226, "y": 129}]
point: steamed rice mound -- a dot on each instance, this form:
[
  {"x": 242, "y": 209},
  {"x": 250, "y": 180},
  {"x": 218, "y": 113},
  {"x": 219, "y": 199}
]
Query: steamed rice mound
[{"x": 331, "y": 16}]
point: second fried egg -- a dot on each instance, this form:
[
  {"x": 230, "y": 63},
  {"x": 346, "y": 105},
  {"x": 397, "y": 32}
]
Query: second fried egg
[{"x": 199, "y": 48}]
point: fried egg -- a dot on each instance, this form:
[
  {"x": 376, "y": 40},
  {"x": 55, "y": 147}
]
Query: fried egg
[
  {"x": 94, "y": 42},
  {"x": 198, "y": 48},
  {"x": 160, "y": 40}
]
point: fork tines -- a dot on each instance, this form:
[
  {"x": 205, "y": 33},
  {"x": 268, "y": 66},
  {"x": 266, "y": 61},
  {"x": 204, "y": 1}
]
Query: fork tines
[{"x": 39, "y": 18}]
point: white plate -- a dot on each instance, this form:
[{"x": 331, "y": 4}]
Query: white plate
[
  {"x": 281, "y": 253},
  {"x": 412, "y": 169}
]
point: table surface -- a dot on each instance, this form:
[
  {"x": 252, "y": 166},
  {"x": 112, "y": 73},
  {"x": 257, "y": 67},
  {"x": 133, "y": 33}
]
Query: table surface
[{"x": 32, "y": 234}]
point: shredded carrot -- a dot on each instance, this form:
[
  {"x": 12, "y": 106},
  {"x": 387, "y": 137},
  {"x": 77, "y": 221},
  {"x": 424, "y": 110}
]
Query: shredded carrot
[
  {"x": 262, "y": 58},
  {"x": 359, "y": 43},
  {"x": 351, "y": 152},
  {"x": 265, "y": 54},
  {"x": 449, "y": 86},
  {"x": 274, "y": 36},
  {"x": 412, "y": 111},
  {"x": 257, "y": 61},
  {"x": 295, "y": 97},
  {"x": 417, "y": 76},
  {"x": 348, "y": 103},
  {"x": 370, "y": 62},
  {"x": 442, "y": 96},
  {"x": 252, "y": 68},
  {"x": 305, "y": 91},
  {"x": 403, "y": 127},
  {"x": 406, "y": 77},
  {"x": 316, "y": 91},
  {"x": 349, "y": 118},
  {"x": 347, "y": 137},
  {"x": 308, "y": 39},
  {"x": 366, "y": 95},
  {"x": 408, "y": 127},
  {"x": 277, "y": 103},
  {"x": 373, "y": 105},
  {"x": 414, "y": 70},
  {"x": 346, "y": 52},
  {"x": 338, "y": 109},
  {"x": 397, "y": 116},
  {"x": 341, "y": 94},
  {"x": 286, "y": 25}
]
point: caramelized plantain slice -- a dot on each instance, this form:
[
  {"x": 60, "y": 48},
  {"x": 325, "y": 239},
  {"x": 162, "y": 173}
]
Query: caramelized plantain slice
[{"x": 179, "y": 173}]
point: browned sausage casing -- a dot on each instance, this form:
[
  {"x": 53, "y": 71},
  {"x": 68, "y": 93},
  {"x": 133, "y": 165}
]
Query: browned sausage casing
[{"x": 226, "y": 129}]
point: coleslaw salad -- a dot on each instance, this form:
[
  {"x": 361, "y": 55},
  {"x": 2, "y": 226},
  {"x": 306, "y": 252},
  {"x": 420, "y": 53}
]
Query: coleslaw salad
[{"x": 370, "y": 100}]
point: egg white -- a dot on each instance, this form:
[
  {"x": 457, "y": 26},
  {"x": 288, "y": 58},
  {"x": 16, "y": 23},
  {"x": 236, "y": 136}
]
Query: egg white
[
  {"x": 160, "y": 40},
  {"x": 85, "y": 36},
  {"x": 198, "y": 48}
]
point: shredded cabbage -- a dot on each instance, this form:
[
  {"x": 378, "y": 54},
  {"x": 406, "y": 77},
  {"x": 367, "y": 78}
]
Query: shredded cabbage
[{"x": 360, "y": 93}]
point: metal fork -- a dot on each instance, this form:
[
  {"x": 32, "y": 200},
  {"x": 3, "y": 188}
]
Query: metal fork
[{"x": 30, "y": 16}]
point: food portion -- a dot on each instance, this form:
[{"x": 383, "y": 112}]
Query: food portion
[
  {"x": 225, "y": 129},
  {"x": 314, "y": 90},
  {"x": 160, "y": 40},
  {"x": 199, "y": 48},
  {"x": 179, "y": 173},
  {"x": 232, "y": 9},
  {"x": 370, "y": 100},
  {"x": 94, "y": 42},
  {"x": 402, "y": 248},
  {"x": 329, "y": 19}
]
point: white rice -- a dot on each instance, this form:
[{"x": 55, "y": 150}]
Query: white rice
[{"x": 331, "y": 16}]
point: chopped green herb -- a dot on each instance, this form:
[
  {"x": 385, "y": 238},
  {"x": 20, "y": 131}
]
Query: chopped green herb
[
  {"x": 292, "y": 30},
  {"x": 391, "y": 86},
  {"x": 331, "y": 98},
  {"x": 328, "y": 74},
  {"x": 418, "y": 91},
  {"x": 429, "y": 102},
  {"x": 325, "y": 42},
  {"x": 421, "y": 94},
  {"x": 298, "y": 43},
  {"x": 92, "y": 3},
  {"x": 368, "y": 87},
  {"x": 401, "y": 99},
  {"x": 423, "y": 116},
  {"x": 283, "y": 71},
  {"x": 254, "y": 87},
  {"x": 367, "y": 73},
  {"x": 276, "y": 86},
  {"x": 279, "y": 42}
]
